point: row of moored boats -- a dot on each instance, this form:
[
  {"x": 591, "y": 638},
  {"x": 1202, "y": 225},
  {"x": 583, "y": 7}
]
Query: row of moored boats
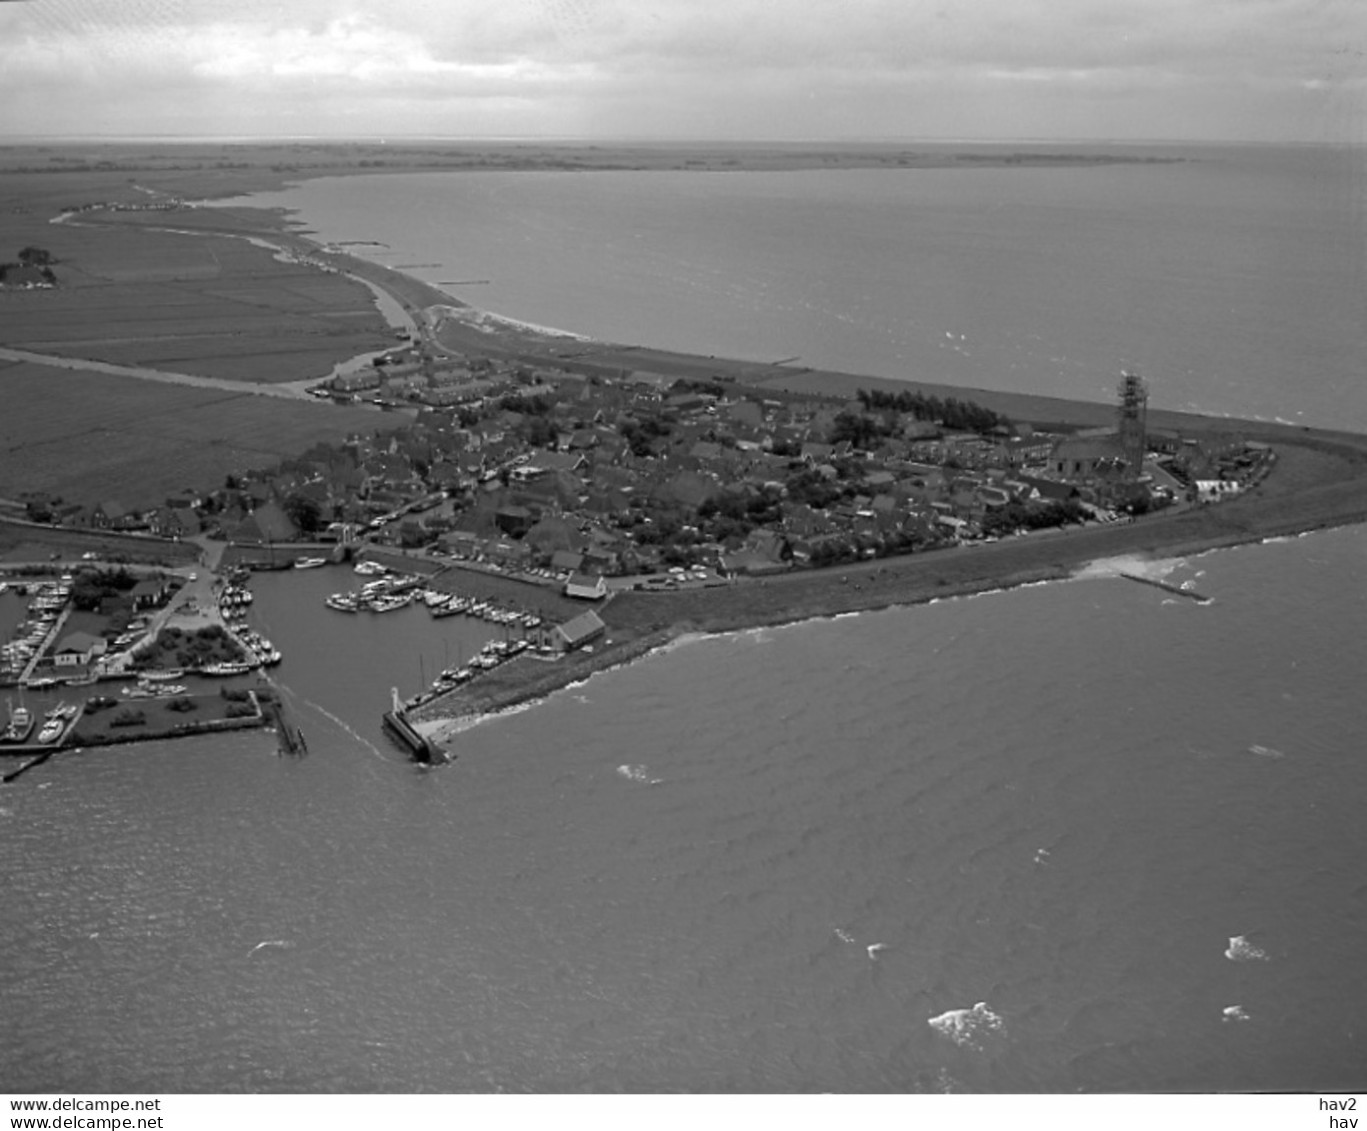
[
  {"x": 494, "y": 653},
  {"x": 386, "y": 594},
  {"x": 48, "y": 598},
  {"x": 55, "y": 723}
]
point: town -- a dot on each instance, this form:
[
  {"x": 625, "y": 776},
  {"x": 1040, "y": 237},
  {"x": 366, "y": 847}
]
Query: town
[
  {"x": 638, "y": 479},
  {"x": 524, "y": 494}
]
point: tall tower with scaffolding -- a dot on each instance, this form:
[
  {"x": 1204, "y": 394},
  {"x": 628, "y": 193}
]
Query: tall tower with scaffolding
[{"x": 1133, "y": 422}]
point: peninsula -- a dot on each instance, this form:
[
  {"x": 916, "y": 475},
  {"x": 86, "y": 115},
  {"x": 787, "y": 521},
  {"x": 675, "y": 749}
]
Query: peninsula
[{"x": 623, "y": 495}]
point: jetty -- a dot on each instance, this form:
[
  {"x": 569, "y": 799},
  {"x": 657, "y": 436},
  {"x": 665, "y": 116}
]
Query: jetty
[
  {"x": 38, "y": 760},
  {"x": 422, "y": 748},
  {"x": 1175, "y": 590},
  {"x": 290, "y": 737}
]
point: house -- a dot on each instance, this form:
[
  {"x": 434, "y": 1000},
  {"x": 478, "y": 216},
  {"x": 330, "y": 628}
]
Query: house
[
  {"x": 553, "y": 461},
  {"x": 149, "y": 593},
  {"x": 588, "y": 586},
  {"x": 1088, "y": 457},
  {"x": 566, "y": 561},
  {"x": 268, "y": 523},
  {"x": 514, "y": 521},
  {"x": 173, "y": 522},
  {"x": 580, "y": 631},
  {"x": 114, "y": 515},
  {"x": 78, "y": 648}
]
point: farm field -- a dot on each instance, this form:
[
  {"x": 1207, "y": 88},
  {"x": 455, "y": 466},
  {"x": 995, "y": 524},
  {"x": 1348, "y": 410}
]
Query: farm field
[
  {"x": 24, "y": 542},
  {"x": 232, "y": 359},
  {"x": 90, "y": 437},
  {"x": 206, "y": 305}
]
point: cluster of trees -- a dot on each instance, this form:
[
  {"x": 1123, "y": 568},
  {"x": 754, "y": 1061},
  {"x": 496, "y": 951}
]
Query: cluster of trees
[
  {"x": 205, "y": 645},
  {"x": 305, "y": 513},
  {"x": 811, "y": 487},
  {"x": 1015, "y": 516},
  {"x": 520, "y": 402},
  {"x": 836, "y": 550},
  {"x": 90, "y": 587},
  {"x": 641, "y": 435},
  {"x": 35, "y": 257},
  {"x": 712, "y": 388},
  {"x": 954, "y": 414},
  {"x": 730, "y": 516},
  {"x": 538, "y": 431},
  {"x": 859, "y": 429}
]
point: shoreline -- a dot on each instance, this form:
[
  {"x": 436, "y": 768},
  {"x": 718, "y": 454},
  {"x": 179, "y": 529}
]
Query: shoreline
[
  {"x": 867, "y": 588},
  {"x": 1320, "y": 480}
]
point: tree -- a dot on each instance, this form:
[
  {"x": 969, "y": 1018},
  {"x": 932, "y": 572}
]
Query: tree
[
  {"x": 304, "y": 513},
  {"x": 858, "y": 429}
]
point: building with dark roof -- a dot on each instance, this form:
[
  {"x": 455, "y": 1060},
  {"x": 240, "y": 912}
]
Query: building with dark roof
[{"x": 583, "y": 629}]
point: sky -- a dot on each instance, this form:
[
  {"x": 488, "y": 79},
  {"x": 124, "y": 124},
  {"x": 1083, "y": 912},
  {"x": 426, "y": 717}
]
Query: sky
[{"x": 1237, "y": 70}]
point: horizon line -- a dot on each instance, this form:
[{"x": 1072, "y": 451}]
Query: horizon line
[{"x": 594, "y": 140}]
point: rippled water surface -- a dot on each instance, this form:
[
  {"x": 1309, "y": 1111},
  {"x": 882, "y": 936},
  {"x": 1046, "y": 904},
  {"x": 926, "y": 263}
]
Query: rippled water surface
[
  {"x": 765, "y": 861},
  {"x": 1234, "y": 279},
  {"x": 1078, "y": 836}
]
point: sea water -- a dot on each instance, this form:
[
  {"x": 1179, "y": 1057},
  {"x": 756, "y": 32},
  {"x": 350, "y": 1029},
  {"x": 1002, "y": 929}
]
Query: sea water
[
  {"x": 1083, "y": 835},
  {"x": 1231, "y": 278}
]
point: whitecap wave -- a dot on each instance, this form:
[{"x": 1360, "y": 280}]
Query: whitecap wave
[
  {"x": 1266, "y": 752},
  {"x": 1241, "y": 950},
  {"x": 967, "y": 1028},
  {"x": 282, "y": 944},
  {"x": 638, "y": 774}
]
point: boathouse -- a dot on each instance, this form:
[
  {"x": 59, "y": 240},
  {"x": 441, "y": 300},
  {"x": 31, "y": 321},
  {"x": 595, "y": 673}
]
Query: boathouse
[
  {"x": 583, "y": 629},
  {"x": 78, "y": 648}
]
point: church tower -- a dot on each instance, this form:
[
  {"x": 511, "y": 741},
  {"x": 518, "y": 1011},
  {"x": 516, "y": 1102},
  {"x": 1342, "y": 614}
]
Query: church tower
[{"x": 1133, "y": 419}]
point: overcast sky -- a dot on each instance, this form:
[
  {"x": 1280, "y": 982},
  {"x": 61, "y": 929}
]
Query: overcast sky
[{"x": 1274, "y": 70}]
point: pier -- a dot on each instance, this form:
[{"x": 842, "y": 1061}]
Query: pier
[
  {"x": 47, "y": 753},
  {"x": 1175, "y": 590},
  {"x": 422, "y": 748}
]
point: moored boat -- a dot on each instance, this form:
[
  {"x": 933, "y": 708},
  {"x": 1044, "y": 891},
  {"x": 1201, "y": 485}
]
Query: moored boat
[
  {"x": 226, "y": 668},
  {"x": 20, "y": 725},
  {"x": 163, "y": 675},
  {"x": 51, "y": 731}
]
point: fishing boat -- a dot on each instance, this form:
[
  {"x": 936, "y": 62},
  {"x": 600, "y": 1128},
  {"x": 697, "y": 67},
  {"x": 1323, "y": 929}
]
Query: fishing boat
[
  {"x": 225, "y": 668},
  {"x": 163, "y": 675},
  {"x": 20, "y": 724},
  {"x": 52, "y": 730}
]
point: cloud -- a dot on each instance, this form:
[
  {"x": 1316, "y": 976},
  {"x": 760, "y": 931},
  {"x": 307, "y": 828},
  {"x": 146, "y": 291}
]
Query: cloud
[{"x": 690, "y": 65}]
